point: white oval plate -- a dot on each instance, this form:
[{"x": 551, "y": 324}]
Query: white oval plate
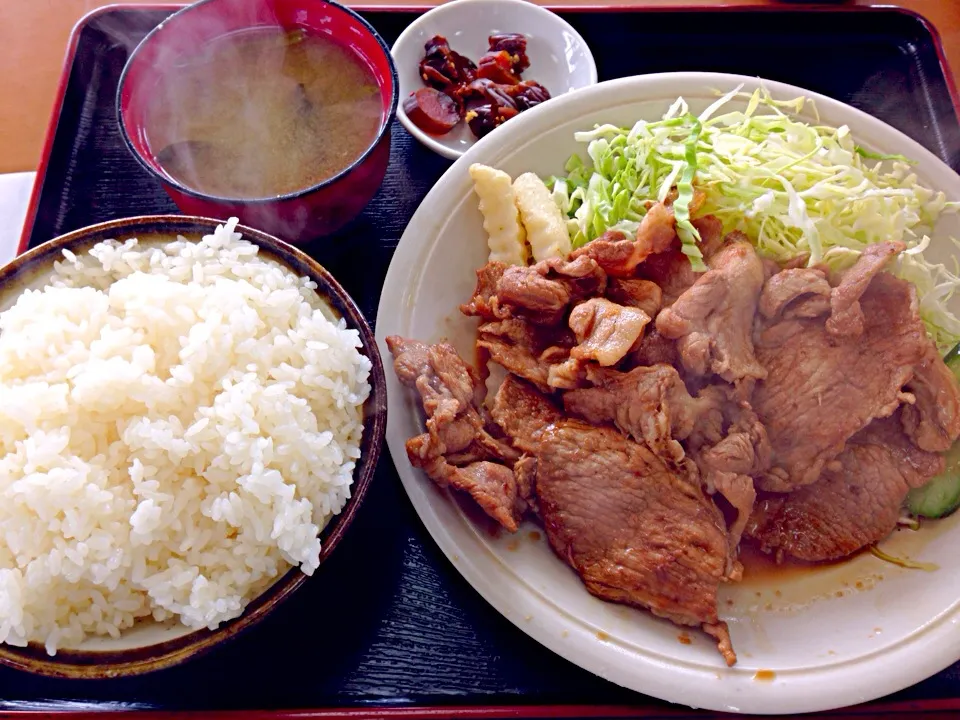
[{"x": 889, "y": 628}]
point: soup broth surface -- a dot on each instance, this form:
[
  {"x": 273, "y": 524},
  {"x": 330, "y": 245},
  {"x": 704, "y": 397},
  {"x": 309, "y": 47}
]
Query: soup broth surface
[{"x": 263, "y": 113}]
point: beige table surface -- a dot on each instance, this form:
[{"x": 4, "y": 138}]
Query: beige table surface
[{"x": 34, "y": 34}]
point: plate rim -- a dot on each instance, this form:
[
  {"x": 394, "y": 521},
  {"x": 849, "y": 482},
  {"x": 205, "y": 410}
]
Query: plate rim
[{"x": 926, "y": 651}]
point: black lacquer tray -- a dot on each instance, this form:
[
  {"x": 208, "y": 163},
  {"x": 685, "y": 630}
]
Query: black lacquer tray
[{"x": 388, "y": 622}]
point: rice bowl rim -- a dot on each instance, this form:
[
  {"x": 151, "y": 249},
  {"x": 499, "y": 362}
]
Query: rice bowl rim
[{"x": 17, "y": 275}]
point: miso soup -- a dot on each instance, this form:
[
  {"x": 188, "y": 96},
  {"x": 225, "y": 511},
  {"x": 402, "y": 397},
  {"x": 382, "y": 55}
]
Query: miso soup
[{"x": 263, "y": 113}]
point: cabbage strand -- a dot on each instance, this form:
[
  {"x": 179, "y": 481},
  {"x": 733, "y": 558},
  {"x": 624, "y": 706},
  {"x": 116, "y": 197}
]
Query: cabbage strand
[{"x": 689, "y": 236}]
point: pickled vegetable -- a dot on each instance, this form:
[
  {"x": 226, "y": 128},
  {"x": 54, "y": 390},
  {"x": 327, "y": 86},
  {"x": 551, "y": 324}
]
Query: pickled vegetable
[
  {"x": 432, "y": 111},
  {"x": 516, "y": 45},
  {"x": 486, "y": 94},
  {"x": 443, "y": 68},
  {"x": 498, "y": 67}
]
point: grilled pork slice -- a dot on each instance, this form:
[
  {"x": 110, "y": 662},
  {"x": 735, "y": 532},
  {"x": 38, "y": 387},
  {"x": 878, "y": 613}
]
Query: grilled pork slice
[
  {"x": 540, "y": 293},
  {"x": 619, "y": 255},
  {"x": 933, "y": 420},
  {"x": 458, "y": 449},
  {"x": 651, "y": 404},
  {"x": 712, "y": 322},
  {"x": 846, "y": 315},
  {"x": 524, "y": 348},
  {"x": 634, "y": 530},
  {"x": 855, "y": 503},
  {"x": 795, "y": 292},
  {"x": 634, "y": 292},
  {"x": 822, "y": 388}
]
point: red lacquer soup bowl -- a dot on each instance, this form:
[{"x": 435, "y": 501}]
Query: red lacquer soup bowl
[{"x": 298, "y": 216}]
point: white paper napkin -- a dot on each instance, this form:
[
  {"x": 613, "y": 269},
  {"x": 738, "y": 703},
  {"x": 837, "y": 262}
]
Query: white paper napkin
[{"x": 14, "y": 197}]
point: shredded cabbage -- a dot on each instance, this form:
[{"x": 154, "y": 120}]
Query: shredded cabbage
[
  {"x": 903, "y": 562},
  {"x": 908, "y": 521},
  {"x": 794, "y": 188}
]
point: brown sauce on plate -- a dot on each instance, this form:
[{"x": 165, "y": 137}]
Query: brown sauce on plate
[{"x": 758, "y": 566}]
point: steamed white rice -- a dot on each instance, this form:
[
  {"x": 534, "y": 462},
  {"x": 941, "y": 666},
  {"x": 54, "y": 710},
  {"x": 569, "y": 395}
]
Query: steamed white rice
[{"x": 177, "y": 424}]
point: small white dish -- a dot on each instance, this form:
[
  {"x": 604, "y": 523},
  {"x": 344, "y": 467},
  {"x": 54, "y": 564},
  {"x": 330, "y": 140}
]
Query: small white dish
[{"x": 559, "y": 57}]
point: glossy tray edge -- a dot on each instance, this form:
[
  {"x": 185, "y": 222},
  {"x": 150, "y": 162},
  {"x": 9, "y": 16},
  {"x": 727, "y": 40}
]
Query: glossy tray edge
[{"x": 929, "y": 709}]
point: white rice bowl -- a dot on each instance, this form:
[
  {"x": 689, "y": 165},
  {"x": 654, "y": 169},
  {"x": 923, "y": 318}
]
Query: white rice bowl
[{"x": 178, "y": 423}]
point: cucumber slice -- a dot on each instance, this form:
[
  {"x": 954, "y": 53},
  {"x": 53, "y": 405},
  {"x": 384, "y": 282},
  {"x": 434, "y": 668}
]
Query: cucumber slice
[
  {"x": 952, "y": 360},
  {"x": 941, "y": 496},
  {"x": 937, "y": 499}
]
